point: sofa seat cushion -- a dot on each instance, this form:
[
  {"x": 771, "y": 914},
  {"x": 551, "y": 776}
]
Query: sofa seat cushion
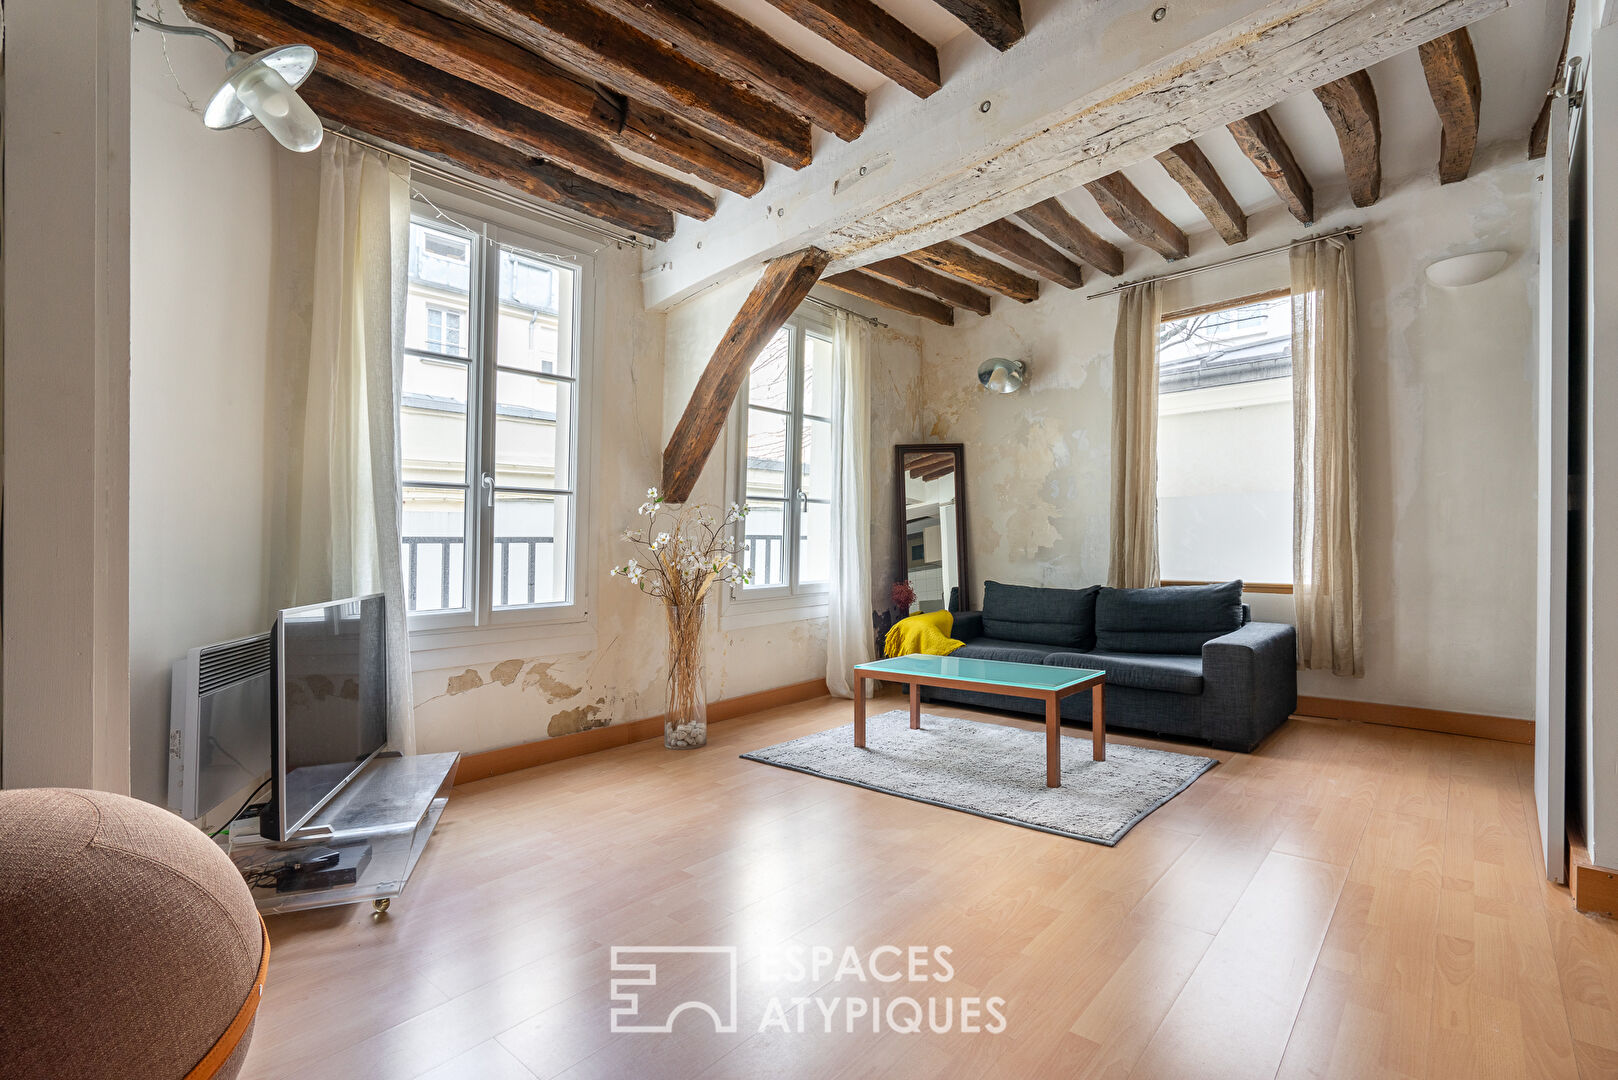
[
  {"x": 1141, "y": 671},
  {"x": 1017, "y": 652},
  {"x": 1177, "y": 619},
  {"x": 1063, "y": 617}
]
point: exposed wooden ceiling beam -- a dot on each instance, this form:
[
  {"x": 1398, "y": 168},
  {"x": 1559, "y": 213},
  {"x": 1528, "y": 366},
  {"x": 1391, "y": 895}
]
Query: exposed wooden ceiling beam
[
  {"x": 509, "y": 69},
  {"x": 920, "y": 463},
  {"x": 889, "y": 295},
  {"x": 1261, "y": 141},
  {"x": 937, "y": 472},
  {"x": 1192, "y": 170},
  {"x": 952, "y": 291},
  {"x": 1457, "y": 89},
  {"x": 786, "y": 281},
  {"x": 1350, "y": 103},
  {"x": 341, "y": 105},
  {"x": 375, "y": 69},
  {"x": 999, "y": 22},
  {"x": 1053, "y": 221},
  {"x": 1017, "y": 245},
  {"x": 615, "y": 53},
  {"x": 872, "y": 36},
  {"x": 960, "y": 261},
  {"x": 1132, "y": 212},
  {"x": 740, "y": 51}
]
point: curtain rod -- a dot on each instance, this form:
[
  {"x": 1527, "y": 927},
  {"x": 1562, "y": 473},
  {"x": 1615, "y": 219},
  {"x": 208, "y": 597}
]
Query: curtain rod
[
  {"x": 829, "y": 306},
  {"x": 1349, "y": 230}
]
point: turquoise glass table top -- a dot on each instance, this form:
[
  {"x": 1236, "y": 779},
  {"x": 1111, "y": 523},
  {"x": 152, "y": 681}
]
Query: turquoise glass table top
[{"x": 992, "y": 672}]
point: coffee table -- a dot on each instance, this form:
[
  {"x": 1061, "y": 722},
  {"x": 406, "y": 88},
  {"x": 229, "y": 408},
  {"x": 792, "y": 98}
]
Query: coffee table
[{"x": 1037, "y": 681}]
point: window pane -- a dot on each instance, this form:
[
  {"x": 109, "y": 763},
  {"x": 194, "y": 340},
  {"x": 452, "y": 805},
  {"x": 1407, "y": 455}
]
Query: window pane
[
  {"x": 432, "y": 421},
  {"x": 764, "y": 549},
  {"x": 814, "y": 559},
  {"x": 535, "y": 330},
  {"x": 436, "y": 307},
  {"x": 434, "y": 549},
  {"x": 816, "y": 462},
  {"x": 1218, "y": 348},
  {"x": 769, "y": 382},
  {"x": 531, "y": 538},
  {"x": 533, "y": 432},
  {"x": 766, "y": 454},
  {"x": 817, "y": 368}
]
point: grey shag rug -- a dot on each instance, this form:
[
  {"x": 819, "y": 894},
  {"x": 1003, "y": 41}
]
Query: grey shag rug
[{"x": 996, "y": 772}]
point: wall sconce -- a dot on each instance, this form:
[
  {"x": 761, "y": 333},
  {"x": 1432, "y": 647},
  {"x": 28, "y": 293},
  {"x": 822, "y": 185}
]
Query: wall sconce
[
  {"x": 1463, "y": 270},
  {"x": 1001, "y": 376}
]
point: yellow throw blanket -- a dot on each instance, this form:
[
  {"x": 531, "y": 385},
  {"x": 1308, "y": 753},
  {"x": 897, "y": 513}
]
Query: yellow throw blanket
[{"x": 924, "y": 633}]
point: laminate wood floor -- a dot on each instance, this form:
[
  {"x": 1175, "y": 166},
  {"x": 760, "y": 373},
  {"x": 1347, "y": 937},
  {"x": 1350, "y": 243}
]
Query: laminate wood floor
[{"x": 1350, "y": 901}]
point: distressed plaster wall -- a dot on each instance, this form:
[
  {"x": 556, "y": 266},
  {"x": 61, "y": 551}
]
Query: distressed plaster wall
[{"x": 1446, "y": 435}]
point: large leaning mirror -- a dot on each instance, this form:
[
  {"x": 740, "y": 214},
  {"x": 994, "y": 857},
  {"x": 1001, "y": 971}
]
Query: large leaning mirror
[{"x": 931, "y": 517}]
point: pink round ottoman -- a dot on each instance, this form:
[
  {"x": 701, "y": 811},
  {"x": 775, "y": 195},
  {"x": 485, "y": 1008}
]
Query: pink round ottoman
[{"x": 129, "y": 945}]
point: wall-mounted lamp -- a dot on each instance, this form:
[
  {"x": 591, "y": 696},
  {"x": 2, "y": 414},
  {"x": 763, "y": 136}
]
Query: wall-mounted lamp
[
  {"x": 262, "y": 87},
  {"x": 1462, "y": 270},
  {"x": 1001, "y": 376}
]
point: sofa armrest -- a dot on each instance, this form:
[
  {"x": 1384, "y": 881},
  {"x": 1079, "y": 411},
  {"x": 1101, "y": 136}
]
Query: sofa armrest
[
  {"x": 968, "y": 625},
  {"x": 1251, "y": 683}
]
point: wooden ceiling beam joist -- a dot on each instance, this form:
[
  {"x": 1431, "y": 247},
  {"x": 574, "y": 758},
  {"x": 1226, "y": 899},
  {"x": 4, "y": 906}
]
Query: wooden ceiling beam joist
[
  {"x": 953, "y": 291},
  {"x": 374, "y": 69},
  {"x": 738, "y": 50},
  {"x": 1134, "y": 214},
  {"x": 341, "y": 105},
  {"x": 1451, "y": 67},
  {"x": 1261, "y": 141},
  {"x": 1350, "y": 104},
  {"x": 889, "y": 295},
  {"x": 615, "y": 53},
  {"x": 1053, "y": 221},
  {"x": 783, "y": 286},
  {"x": 1192, "y": 170},
  {"x": 1017, "y": 245},
  {"x": 873, "y": 37},
  {"x": 511, "y": 70},
  {"x": 962, "y": 262},
  {"x": 936, "y": 473},
  {"x": 920, "y": 463},
  {"x": 999, "y": 22}
]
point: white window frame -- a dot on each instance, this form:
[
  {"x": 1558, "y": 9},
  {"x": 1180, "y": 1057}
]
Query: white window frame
[
  {"x": 469, "y": 634},
  {"x": 794, "y": 600}
]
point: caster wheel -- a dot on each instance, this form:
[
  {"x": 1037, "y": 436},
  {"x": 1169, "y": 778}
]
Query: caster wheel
[{"x": 380, "y": 906}]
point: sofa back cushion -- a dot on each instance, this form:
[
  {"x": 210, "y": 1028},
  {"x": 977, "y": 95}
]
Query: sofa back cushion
[
  {"x": 1047, "y": 616},
  {"x": 1175, "y": 619}
]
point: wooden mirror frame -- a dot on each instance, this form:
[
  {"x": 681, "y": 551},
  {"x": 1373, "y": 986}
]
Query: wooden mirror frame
[{"x": 963, "y": 556}]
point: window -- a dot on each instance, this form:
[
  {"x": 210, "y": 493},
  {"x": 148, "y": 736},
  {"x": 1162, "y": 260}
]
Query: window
[
  {"x": 785, "y": 460},
  {"x": 1224, "y": 443},
  {"x": 488, "y": 425}
]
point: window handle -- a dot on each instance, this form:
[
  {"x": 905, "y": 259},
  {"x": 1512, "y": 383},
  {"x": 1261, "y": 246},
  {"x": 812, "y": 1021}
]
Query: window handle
[
  {"x": 803, "y": 501},
  {"x": 488, "y": 491}
]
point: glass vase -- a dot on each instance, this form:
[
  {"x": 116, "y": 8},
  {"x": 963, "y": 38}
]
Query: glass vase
[{"x": 685, "y": 713}]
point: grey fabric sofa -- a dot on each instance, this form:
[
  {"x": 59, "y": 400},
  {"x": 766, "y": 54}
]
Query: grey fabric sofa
[{"x": 1184, "y": 661}]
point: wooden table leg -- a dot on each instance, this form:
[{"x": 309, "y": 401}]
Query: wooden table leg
[
  {"x": 859, "y": 711},
  {"x": 915, "y": 706},
  {"x": 1098, "y": 724},
  {"x": 1053, "y": 742}
]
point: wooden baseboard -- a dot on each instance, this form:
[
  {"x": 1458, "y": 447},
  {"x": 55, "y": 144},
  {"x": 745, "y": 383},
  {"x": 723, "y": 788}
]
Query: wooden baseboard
[
  {"x": 481, "y": 766},
  {"x": 1477, "y": 725},
  {"x": 1594, "y": 888}
]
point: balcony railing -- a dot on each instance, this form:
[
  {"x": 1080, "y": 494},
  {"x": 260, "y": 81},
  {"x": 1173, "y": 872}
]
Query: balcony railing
[
  {"x": 419, "y": 584},
  {"x": 764, "y": 559}
]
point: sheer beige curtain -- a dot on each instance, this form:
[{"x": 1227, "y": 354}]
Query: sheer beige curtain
[
  {"x": 1326, "y": 520},
  {"x": 1133, "y": 564}
]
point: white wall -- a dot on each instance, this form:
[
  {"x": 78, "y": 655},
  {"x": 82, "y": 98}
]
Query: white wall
[
  {"x": 1446, "y": 436},
  {"x": 200, "y": 328}
]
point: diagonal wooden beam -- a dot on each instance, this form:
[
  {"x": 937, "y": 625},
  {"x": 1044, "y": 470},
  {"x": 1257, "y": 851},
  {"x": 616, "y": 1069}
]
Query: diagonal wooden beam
[
  {"x": 379, "y": 71},
  {"x": 1350, "y": 103},
  {"x": 889, "y": 295},
  {"x": 340, "y": 104},
  {"x": 1192, "y": 170},
  {"x": 872, "y": 36},
  {"x": 1261, "y": 141},
  {"x": 508, "y": 69},
  {"x": 1053, "y": 221},
  {"x": 1452, "y": 77},
  {"x": 1132, "y": 212},
  {"x": 953, "y": 291},
  {"x": 999, "y": 22},
  {"x": 588, "y": 39},
  {"x": 738, "y": 50},
  {"x": 786, "y": 281},
  {"x": 1017, "y": 245},
  {"x": 974, "y": 269}
]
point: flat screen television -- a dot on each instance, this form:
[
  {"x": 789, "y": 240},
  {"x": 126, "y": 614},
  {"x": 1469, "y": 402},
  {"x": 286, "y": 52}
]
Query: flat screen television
[{"x": 328, "y": 708}]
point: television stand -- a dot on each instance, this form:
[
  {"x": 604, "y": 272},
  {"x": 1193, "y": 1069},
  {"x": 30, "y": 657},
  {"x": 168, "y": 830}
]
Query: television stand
[{"x": 362, "y": 845}]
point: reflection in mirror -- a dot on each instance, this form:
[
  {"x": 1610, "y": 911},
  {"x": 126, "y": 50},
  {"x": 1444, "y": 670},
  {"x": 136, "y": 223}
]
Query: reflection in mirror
[{"x": 931, "y": 552}]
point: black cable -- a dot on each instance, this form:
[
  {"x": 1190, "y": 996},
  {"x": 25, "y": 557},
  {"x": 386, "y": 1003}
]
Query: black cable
[{"x": 239, "y": 809}]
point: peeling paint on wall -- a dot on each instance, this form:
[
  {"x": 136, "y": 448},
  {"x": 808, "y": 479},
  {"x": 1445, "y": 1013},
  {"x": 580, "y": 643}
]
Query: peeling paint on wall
[
  {"x": 505, "y": 672},
  {"x": 555, "y": 689},
  {"x": 466, "y": 680},
  {"x": 582, "y": 718}
]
